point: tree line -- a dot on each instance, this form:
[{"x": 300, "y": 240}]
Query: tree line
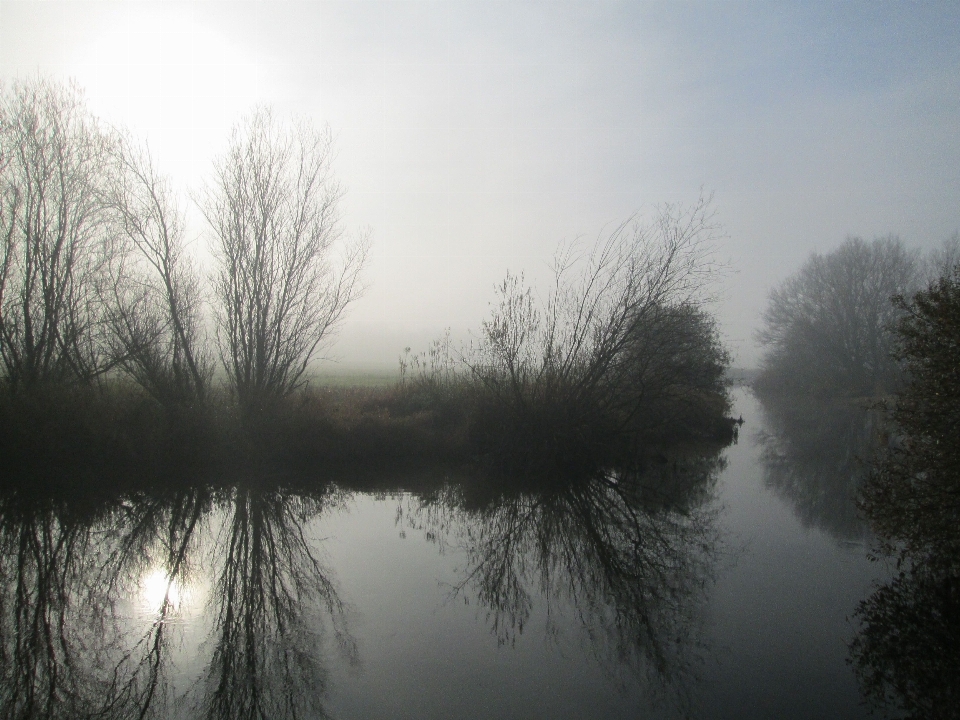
[
  {"x": 96, "y": 277},
  {"x": 830, "y": 329}
]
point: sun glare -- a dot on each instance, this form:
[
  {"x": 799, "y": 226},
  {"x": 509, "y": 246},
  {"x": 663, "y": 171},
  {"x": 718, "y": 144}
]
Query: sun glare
[
  {"x": 171, "y": 78},
  {"x": 155, "y": 587}
]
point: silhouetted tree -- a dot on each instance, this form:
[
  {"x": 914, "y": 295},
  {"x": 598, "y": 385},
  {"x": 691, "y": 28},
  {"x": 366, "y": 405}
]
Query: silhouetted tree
[
  {"x": 274, "y": 209},
  {"x": 913, "y": 496},
  {"x": 53, "y": 162},
  {"x": 826, "y": 328},
  {"x": 152, "y": 292},
  {"x": 622, "y": 344},
  {"x": 674, "y": 381}
]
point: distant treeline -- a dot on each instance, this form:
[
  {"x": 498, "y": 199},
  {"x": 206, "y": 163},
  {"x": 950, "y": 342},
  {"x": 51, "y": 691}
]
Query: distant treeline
[{"x": 830, "y": 329}]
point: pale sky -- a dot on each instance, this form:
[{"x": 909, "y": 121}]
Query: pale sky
[{"x": 473, "y": 137}]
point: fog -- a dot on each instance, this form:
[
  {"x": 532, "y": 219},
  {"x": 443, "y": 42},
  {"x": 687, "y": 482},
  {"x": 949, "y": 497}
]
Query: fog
[{"x": 472, "y": 138}]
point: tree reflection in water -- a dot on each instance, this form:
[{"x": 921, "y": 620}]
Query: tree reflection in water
[
  {"x": 157, "y": 533},
  {"x": 46, "y": 668},
  {"x": 269, "y": 583},
  {"x": 631, "y": 553},
  {"x": 71, "y": 647},
  {"x": 816, "y": 455},
  {"x": 907, "y": 652}
]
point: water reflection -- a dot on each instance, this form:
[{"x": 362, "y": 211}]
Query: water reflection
[
  {"x": 269, "y": 586},
  {"x": 45, "y": 667},
  {"x": 77, "y": 577},
  {"x": 815, "y": 455},
  {"x": 214, "y": 602},
  {"x": 907, "y": 652},
  {"x": 629, "y": 553}
]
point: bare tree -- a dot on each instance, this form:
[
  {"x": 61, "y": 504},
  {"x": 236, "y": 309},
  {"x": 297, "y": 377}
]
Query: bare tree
[
  {"x": 621, "y": 327},
  {"x": 152, "y": 291},
  {"x": 941, "y": 260},
  {"x": 274, "y": 208},
  {"x": 827, "y": 328},
  {"x": 54, "y": 158}
]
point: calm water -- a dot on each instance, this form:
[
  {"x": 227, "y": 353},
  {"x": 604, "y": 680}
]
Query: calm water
[{"x": 709, "y": 587}]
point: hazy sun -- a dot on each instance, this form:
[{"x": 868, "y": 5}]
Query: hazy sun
[
  {"x": 155, "y": 586},
  {"x": 171, "y": 77}
]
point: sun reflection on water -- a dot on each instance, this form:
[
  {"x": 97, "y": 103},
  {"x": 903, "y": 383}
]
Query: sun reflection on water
[{"x": 158, "y": 592}]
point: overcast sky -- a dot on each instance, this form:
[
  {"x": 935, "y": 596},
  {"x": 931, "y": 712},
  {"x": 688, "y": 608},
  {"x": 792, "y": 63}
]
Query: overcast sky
[{"x": 474, "y": 137}]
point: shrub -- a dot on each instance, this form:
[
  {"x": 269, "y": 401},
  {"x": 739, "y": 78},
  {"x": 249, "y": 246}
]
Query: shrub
[{"x": 621, "y": 354}]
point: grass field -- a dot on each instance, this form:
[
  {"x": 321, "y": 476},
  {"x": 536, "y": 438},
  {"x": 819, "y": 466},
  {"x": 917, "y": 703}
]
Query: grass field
[{"x": 355, "y": 376}]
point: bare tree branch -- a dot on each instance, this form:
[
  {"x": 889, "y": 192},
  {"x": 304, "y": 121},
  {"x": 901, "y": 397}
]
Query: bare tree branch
[
  {"x": 152, "y": 292},
  {"x": 52, "y": 221},
  {"x": 274, "y": 208}
]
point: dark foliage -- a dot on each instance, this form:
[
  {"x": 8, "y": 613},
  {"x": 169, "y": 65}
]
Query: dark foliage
[
  {"x": 665, "y": 387},
  {"x": 907, "y": 653},
  {"x": 620, "y": 358},
  {"x": 103, "y": 437},
  {"x": 913, "y": 497}
]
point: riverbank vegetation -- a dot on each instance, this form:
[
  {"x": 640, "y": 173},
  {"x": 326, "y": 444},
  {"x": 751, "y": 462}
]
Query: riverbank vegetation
[
  {"x": 620, "y": 355},
  {"x": 907, "y": 652},
  {"x": 121, "y": 354}
]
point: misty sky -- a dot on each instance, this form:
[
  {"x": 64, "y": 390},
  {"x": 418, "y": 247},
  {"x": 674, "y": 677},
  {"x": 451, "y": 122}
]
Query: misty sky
[{"x": 474, "y": 137}]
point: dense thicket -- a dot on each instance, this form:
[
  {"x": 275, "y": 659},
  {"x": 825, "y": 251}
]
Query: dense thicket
[
  {"x": 621, "y": 355},
  {"x": 826, "y": 328}
]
